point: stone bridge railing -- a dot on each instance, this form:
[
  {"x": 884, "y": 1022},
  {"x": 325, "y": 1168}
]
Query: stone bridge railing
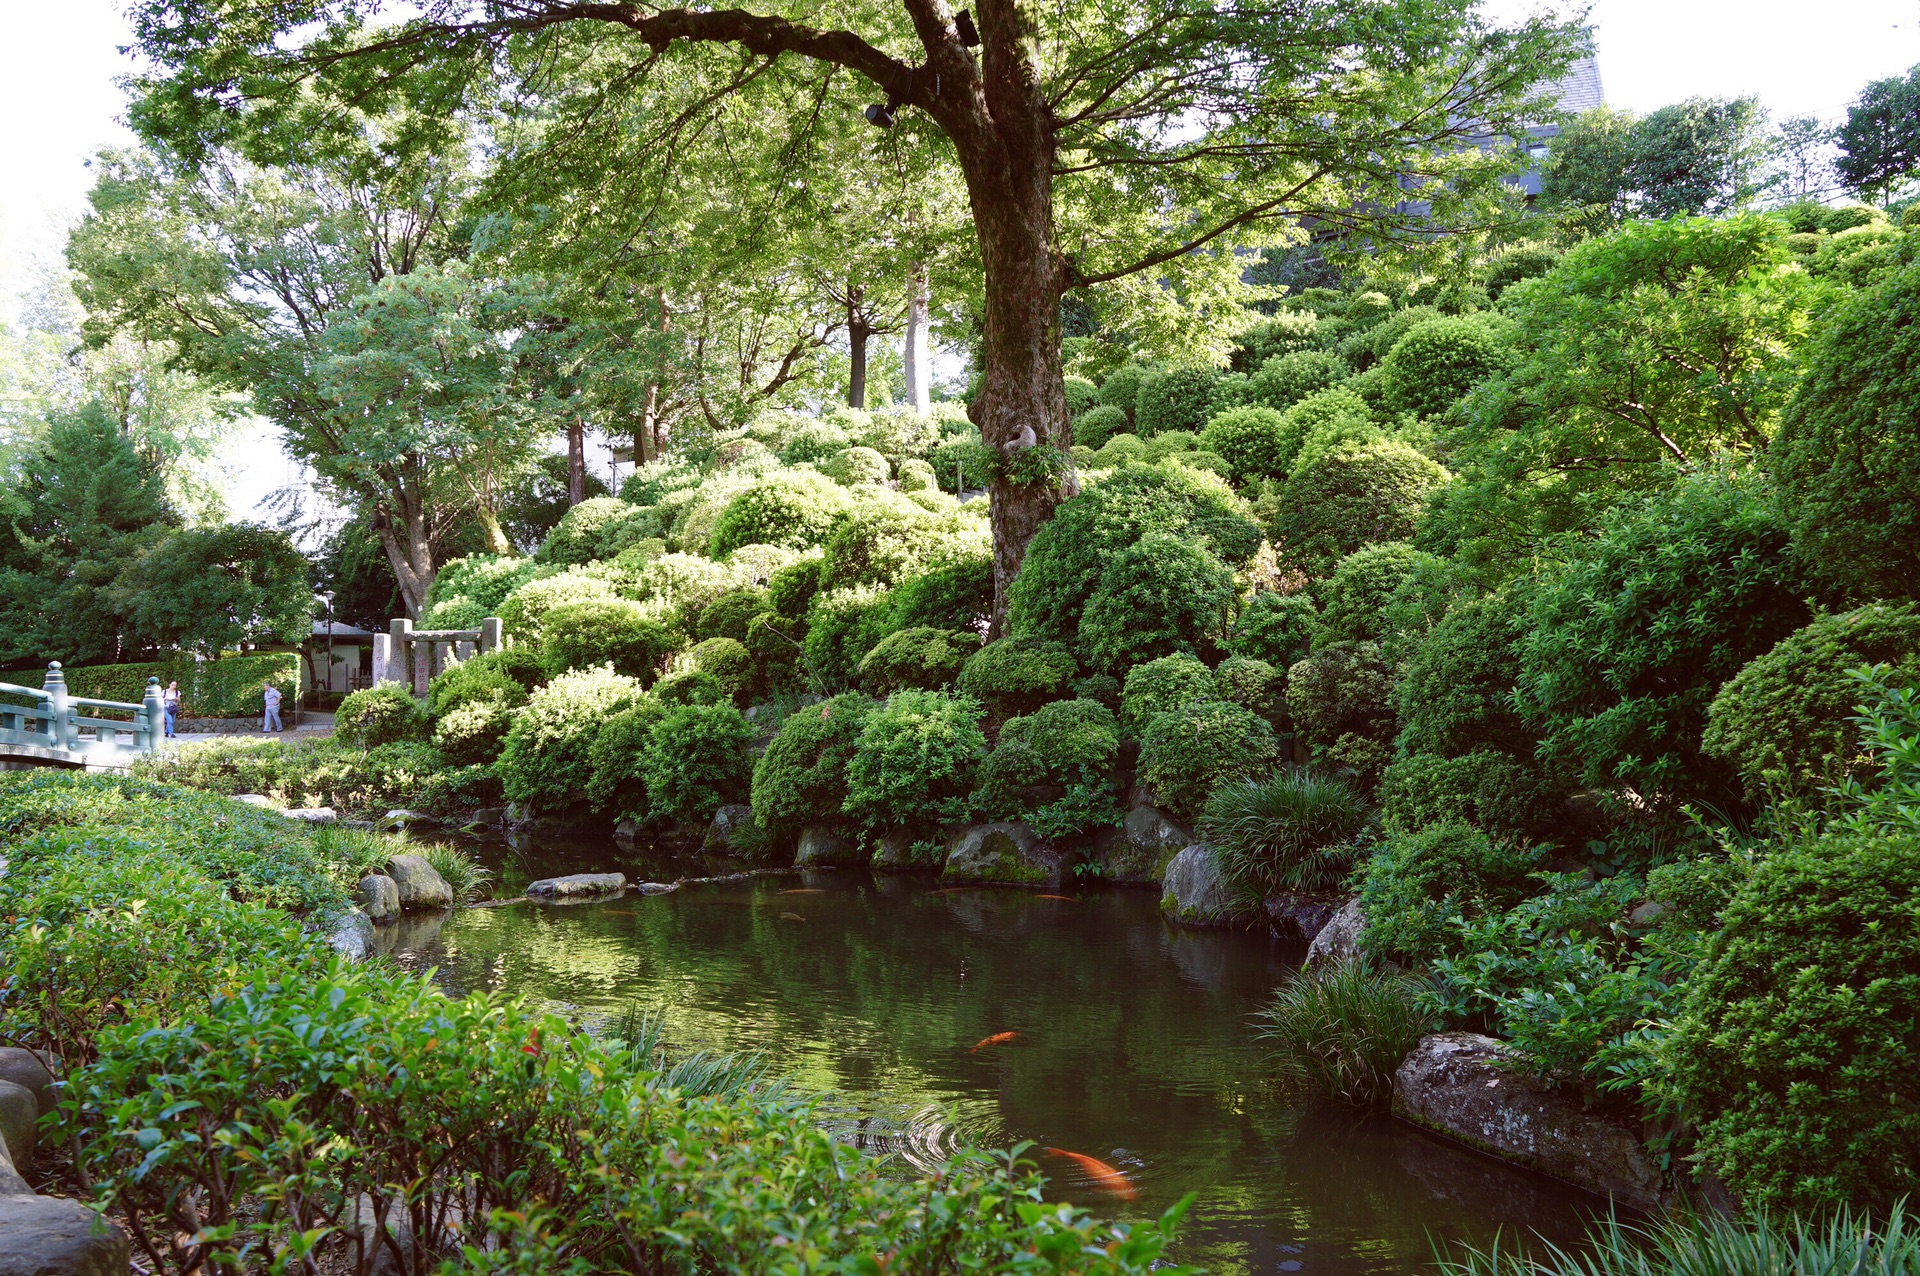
[
  {"x": 55, "y": 728},
  {"x": 412, "y": 656}
]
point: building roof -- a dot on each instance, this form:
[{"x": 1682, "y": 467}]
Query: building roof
[
  {"x": 340, "y": 630},
  {"x": 1579, "y": 89}
]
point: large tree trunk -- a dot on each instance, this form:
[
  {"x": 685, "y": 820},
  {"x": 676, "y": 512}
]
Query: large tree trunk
[
  {"x": 401, "y": 523},
  {"x": 914, "y": 355},
  {"x": 496, "y": 535},
  {"x": 644, "y": 451},
  {"x": 857, "y": 334},
  {"x": 576, "y": 462}
]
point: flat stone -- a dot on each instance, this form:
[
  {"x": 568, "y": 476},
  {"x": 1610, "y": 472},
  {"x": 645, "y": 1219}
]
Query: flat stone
[
  {"x": 723, "y": 832},
  {"x": 490, "y": 816},
  {"x": 578, "y": 886},
  {"x": 313, "y": 814},
  {"x": 1004, "y": 852},
  {"x": 52, "y": 1236},
  {"x": 25, "y": 1068},
  {"x": 1453, "y": 1085},
  {"x": 352, "y": 935},
  {"x": 1194, "y": 892},
  {"x": 1298, "y": 918},
  {"x": 420, "y": 885},
  {"x": 655, "y": 888},
  {"x": 1338, "y": 942},
  {"x": 378, "y": 897},
  {"x": 822, "y": 847},
  {"x": 254, "y": 799},
  {"x": 19, "y": 1110}
]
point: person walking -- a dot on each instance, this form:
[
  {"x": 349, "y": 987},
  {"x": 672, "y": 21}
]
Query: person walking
[
  {"x": 272, "y": 722},
  {"x": 170, "y": 701}
]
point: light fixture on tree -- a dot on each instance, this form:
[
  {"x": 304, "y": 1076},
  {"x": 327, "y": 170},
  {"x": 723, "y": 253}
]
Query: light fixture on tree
[
  {"x": 899, "y": 87},
  {"x": 969, "y": 34}
]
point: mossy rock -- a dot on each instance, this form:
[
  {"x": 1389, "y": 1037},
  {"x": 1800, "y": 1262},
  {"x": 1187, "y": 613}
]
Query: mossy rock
[{"x": 1003, "y": 854}]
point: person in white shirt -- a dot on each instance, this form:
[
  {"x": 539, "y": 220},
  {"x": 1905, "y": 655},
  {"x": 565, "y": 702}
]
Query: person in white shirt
[
  {"x": 170, "y": 702},
  {"x": 272, "y": 722}
]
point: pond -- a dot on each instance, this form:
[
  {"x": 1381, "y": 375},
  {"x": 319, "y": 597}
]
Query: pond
[{"x": 1132, "y": 1045}]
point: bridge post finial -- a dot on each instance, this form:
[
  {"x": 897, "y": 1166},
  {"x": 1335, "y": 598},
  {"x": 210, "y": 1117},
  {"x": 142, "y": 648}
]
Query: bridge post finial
[
  {"x": 58, "y": 731},
  {"x": 153, "y": 712}
]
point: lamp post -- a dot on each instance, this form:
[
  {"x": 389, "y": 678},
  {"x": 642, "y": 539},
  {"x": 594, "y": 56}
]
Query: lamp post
[{"x": 327, "y": 598}]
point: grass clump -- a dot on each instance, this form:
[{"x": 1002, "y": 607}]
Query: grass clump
[
  {"x": 1291, "y": 831},
  {"x": 1345, "y": 1031}
]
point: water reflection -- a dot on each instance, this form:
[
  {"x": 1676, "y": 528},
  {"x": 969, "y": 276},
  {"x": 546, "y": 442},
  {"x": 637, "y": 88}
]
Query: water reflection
[{"x": 1132, "y": 1047}]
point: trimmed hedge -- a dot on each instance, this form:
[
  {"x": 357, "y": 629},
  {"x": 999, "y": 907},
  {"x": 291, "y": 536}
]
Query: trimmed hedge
[{"x": 230, "y": 687}]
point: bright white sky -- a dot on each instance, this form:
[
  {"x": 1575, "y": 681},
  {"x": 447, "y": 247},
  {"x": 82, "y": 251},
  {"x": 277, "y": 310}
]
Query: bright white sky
[{"x": 59, "y": 103}]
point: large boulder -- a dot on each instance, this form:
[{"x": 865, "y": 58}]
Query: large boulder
[
  {"x": 351, "y": 935},
  {"x": 313, "y": 815},
  {"x": 19, "y": 1110},
  {"x": 725, "y": 831},
  {"x": 1299, "y": 918},
  {"x": 893, "y": 853},
  {"x": 51, "y": 1236},
  {"x": 421, "y": 886},
  {"x": 1002, "y": 853},
  {"x": 1137, "y": 853},
  {"x": 578, "y": 886},
  {"x": 399, "y": 820},
  {"x": 25, "y": 1068},
  {"x": 1453, "y": 1084},
  {"x": 1194, "y": 891},
  {"x": 821, "y": 846},
  {"x": 378, "y": 897},
  {"x": 1338, "y": 941}
]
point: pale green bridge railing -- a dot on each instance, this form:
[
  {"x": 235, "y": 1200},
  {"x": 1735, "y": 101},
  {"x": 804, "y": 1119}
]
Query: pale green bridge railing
[{"x": 56, "y": 729}]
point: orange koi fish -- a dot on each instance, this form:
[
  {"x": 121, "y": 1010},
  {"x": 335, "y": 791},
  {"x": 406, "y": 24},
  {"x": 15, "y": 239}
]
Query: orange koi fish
[
  {"x": 1100, "y": 1176},
  {"x": 1065, "y": 899},
  {"x": 997, "y": 1039},
  {"x": 791, "y": 917},
  {"x": 804, "y": 890}
]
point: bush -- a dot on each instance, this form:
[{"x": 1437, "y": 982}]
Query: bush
[
  {"x": 1256, "y": 442},
  {"x": 1292, "y": 831},
  {"x": 1075, "y": 740},
  {"x": 843, "y": 625},
  {"x": 728, "y": 663},
  {"x": 1082, "y": 394},
  {"x": 795, "y": 510},
  {"x": 1121, "y": 389},
  {"x": 917, "y": 475},
  {"x": 377, "y": 716},
  {"x": 791, "y": 590},
  {"x": 1275, "y": 628},
  {"x": 729, "y": 615},
  {"x": 1160, "y": 595},
  {"x": 454, "y": 613},
  {"x": 1488, "y": 790},
  {"x": 1353, "y": 496},
  {"x": 1252, "y": 684},
  {"x": 1455, "y": 694},
  {"x": 1418, "y": 884},
  {"x": 618, "y": 758},
  {"x": 546, "y": 761},
  {"x": 1785, "y": 722},
  {"x": 802, "y": 777},
  {"x": 524, "y": 611},
  {"x": 1121, "y": 449},
  {"x": 915, "y": 761},
  {"x": 887, "y": 542},
  {"x": 1188, "y": 751},
  {"x": 1355, "y": 600},
  {"x": 1066, "y": 557},
  {"x": 1437, "y": 362},
  {"x": 1344, "y": 1030},
  {"x": 1797, "y": 1053},
  {"x": 1160, "y": 685},
  {"x": 698, "y": 759},
  {"x": 923, "y": 658},
  {"x": 1344, "y": 689},
  {"x": 1632, "y": 636},
  {"x": 956, "y": 593},
  {"x": 508, "y": 674},
  {"x": 595, "y": 529},
  {"x": 1286, "y": 379},
  {"x": 473, "y": 733},
  {"x": 691, "y": 686},
  {"x": 609, "y": 631},
  {"x": 485, "y": 579},
  {"x": 1175, "y": 399},
  {"x": 962, "y": 464},
  {"x": 1095, "y": 427},
  {"x": 1017, "y": 675},
  {"x": 1282, "y": 333},
  {"x": 853, "y": 466}
]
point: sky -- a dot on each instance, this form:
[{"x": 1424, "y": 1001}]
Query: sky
[{"x": 59, "y": 62}]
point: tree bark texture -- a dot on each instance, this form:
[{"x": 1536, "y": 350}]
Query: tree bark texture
[
  {"x": 914, "y": 353},
  {"x": 576, "y": 462}
]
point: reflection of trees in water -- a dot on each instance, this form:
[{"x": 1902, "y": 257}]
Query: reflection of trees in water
[{"x": 1134, "y": 1047}]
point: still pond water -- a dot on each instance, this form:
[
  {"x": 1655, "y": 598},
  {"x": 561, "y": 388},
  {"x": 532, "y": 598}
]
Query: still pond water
[{"x": 1133, "y": 1046}]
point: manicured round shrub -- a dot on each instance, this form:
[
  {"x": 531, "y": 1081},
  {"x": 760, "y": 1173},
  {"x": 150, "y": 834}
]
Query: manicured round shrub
[
  {"x": 802, "y": 777},
  {"x": 1291, "y": 831},
  {"x": 1210, "y": 462},
  {"x": 1171, "y": 443},
  {"x": 1082, "y": 394},
  {"x": 1286, "y": 379},
  {"x": 1797, "y": 1054},
  {"x": 1174, "y": 399},
  {"x": 1017, "y": 675},
  {"x": 523, "y": 612},
  {"x": 1631, "y": 637},
  {"x": 1121, "y": 389},
  {"x": 1075, "y": 740},
  {"x": 688, "y": 583},
  {"x": 1785, "y": 721},
  {"x": 1455, "y": 695},
  {"x": 962, "y": 464},
  {"x": 729, "y": 615},
  {"x": 1188, "y": 751},
  {"x": 1344, "y": 689},
  {"x": 730, "y": 664},
  {"x": 609, "y": 631},
  {"x": 1101, "y": 687},
  {"x": 756, "y": 564},
  {"x": 1351, "y": 497},
  {"x": 791, "y": 590},
  {"x": 546, "y": 761},
  {"x": 473, "y": 733},
  {"x": 698, "y": 759},
  {"x": 1327, "y": 418},
  {"x": 1159, "y": 685},
  {"x": 1095, "y": 427},
  {"x": 856, "y": 465},
  {"x": 379, "y": 715},
  {"x": 1417, "y": 884},
  {"x": 484, "y": 578},
  {"x": 1160, "y": 595},
  {"x": 1437, "y": 362},
  {"x": 1354, "y": 601},
  {"x": 814, "y": 441},
  {"x": 1121, "y": 449},
  {"x": 843, "y": 625},
  {"x": 506, "y": 675},
  {"x": 1488, "y": 790},
  {"x": 1253, "y": 684},
  {"x": 796, "y": 510},
  {"x": 1257, "y": 442},
  {"x": 915, "y": 761},
  {"x": 1067, "y": 556},
  {"x": 916, "y": 475},
  {"x": 921, "y": 657},
  {"x": 618, "y": 789},
  {"x": 1846, "y": 458},
  {"x": 691, "y": 686},
  {"x": 1275, "y": 628},
  {"x": 457, "y": 612},
  {"x": 1010, "y": 782},
  {"x": 886, "y": 542},
  {"x": 597, "y": 528},
  {"x": 955, "y": 593},
  {"x": 1280, "y": 334},
  {"x": 1522, "y": 261}
]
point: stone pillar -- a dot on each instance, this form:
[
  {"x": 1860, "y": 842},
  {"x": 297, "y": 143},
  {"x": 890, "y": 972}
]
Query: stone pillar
[
  {"x": 59, "y": 733},
  {"x": 422, "y": 666},
  {"x": 382, "y": 657},
  {"x": 154, "y": 710},
  {"x": 464, "y": 650},
  {"x": 400, "y": 636},
  {"x": 492, "y": 634}
]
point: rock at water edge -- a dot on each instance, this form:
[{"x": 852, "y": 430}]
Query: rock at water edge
[
  {"x": 724, "y": 832},
  {"x": 1004, "y": 853},
  {"x": 578, "y": 886},
  {"x": 420, "y": 885},
  {"x": 18, "y": 1112},
  {"x": 378, "y": 897},
  {"x": 822, "y": 847},
  {"x": 352, "y": 935},
  {"x": 1339, "y": 940},
  {"x": 1452, "y": 1084},
  {"x": 1298, "y": 918},
  {"x": 1194, "y": 892},
  {"x": 313, "y": 815},
  {"x": 50, "y": 1236}
]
